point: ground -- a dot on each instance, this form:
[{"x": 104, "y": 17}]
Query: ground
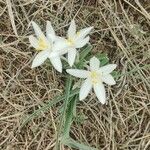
[{"x": 121, "y": 30}]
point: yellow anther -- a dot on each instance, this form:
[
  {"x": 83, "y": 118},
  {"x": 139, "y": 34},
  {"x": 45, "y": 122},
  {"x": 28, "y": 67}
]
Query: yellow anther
[
  {"x": 94, "y": 81},
  {"x": 42, "y": 44},
  {"x": 94, "y": 74},
  {"x": 78, "y": 33},
  {"x": 70, "y": 41},
  {"x": 94, "y": 77}
]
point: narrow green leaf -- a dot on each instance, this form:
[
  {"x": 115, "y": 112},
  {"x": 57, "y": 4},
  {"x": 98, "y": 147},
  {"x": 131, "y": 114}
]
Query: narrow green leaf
[
  {"x": 69, "y": 118},
  {"x": 74, "y": 105},
  {"x": 103, "y": 59},
  {"x": 133, "y": 71},
  {"x": 85, "y": 52},
  {"x": 67, "y": 96},
  {"x": 80, "y": 118},
  {"x": 74, "y": 144},
  {"x": 47, "y": 106},
  {"x": 115, "y": 74}
]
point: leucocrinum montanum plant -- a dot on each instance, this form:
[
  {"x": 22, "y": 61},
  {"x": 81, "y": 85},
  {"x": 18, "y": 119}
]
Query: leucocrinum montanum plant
[{"x": 53, "y": 48}]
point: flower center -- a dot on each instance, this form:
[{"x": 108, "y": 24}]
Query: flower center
[
  {"x": 78, "y": 33},
  {"x": 42, "y": 44},
  {"x": 70, "y": 41},
  {"x": 95, "y": 77}
]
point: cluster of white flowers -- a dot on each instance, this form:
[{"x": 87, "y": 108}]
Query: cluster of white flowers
[{"x": 53, "y": 47}]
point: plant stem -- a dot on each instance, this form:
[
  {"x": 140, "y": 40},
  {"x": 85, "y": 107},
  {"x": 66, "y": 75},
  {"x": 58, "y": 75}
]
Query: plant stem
[{"x": 68, "y": 86}]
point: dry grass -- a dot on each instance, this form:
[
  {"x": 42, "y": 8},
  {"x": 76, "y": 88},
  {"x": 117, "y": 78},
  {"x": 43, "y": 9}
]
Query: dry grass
[{"x": 122, "y": 30}]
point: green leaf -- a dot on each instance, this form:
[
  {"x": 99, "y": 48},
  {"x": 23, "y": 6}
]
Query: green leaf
[
  {"x": 85, "y": 52},
  {"x": 80, "y": 118},
  {"x": 47, "y": 106},
  {"x": 69, "y": 117},
  {"x": 66, "y": 101},
  {"x": 72, "y": 143},
  {"x": 115, "y": 74},
  {"x": 74, "y": 106},
  {"x": 103, "y": 58},
  {"x": 147, "y": 66}
]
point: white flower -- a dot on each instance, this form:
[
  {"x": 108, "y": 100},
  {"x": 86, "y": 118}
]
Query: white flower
[
  {"x": 95, "y": 77},
  {"x": 74, "y": 40},
  {"x": 46, "y": 46}
]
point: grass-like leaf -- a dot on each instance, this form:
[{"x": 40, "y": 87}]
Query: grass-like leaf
[
  {"x": 74, "y": 144},
  {"x": 47, "y": 106},
  {"x": 69, "y": 117},
  {"x": 103, "y": 59},
  {"x": 85, "y": 52},
  {"x": 66, "y": 101}
]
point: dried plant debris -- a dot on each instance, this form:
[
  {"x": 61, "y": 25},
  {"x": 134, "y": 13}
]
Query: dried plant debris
[{"x": 121, "y": 31}]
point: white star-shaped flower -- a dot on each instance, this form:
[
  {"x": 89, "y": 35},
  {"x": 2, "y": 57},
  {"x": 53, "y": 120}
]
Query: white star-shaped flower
[
  {"x": 74, "y": 40},
  {"x": 94, "y": 78},
  {"x": 46, "y": 46}
]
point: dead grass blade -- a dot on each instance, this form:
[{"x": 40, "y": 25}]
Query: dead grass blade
[{"x": 11, "y": 15}]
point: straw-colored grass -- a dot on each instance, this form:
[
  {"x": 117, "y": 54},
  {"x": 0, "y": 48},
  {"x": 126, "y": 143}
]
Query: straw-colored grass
[{"x": 121, "y": 30}]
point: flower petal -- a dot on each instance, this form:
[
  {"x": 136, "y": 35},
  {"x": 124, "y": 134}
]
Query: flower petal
[
  {"x": 78, "y": 73},
  {"x": 85, "y": 89},
  {"x": 108, "y": 68},
  {"x": 56, "y": 62},
  {"x": 84, "y": 32},
  {"x": 54, "y": 54},
  {"x": 72, "y": 29},
  {"x": 40, "y": 58},
  {"x": 37, "y": 30},
  {"x": 81, "y": 43},
  {"x": 108, "y": 79},
  {"x": 100, "y": 92},
  {"x": 94, "y": 64},
  {"x": 60, "y": 44},
  {"x": 50, "y": 33},
  {"x": 71, "y": 56},
  {"x": 33, "y": 41}
]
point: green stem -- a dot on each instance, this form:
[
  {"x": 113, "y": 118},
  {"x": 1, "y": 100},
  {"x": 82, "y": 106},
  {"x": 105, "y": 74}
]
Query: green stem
[{"x": 68, "y": 86}]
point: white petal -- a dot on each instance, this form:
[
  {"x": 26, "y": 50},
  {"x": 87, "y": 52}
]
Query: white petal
[
  {"x": 33, "y": 41},
  {"x": 50, "y": 33},
  {"x": 71, "y": 56},
  {"x": 58, "y": 38},
  {"x": 37, "y": 30},
  {"x": 108, "y": 68},
  {"x": 81, "y": 43},
  {"x": 108, "y": 79},
  {"x": 56, "y": 62},
  {"x": 94, "y": 64},
  {"x": 100, "y": 92},
  {"x": 40, "y": 58},
  {"x": 78, "y": 73},
  {"x": 60, "y": 44},
  {"x": 54, "y": 54},
  {"x": 84, "y": 32},
  {"x": 85, "y": 89},
  {"x": 72, "y": 29}
]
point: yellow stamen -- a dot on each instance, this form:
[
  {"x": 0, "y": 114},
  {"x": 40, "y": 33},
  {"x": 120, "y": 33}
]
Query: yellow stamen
[
  {"x": 70, "y": 41},
  {"x": 42, "y": 44},
  {"x": 78, "y": 33},
  {"x": 94, "y": 77}
]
